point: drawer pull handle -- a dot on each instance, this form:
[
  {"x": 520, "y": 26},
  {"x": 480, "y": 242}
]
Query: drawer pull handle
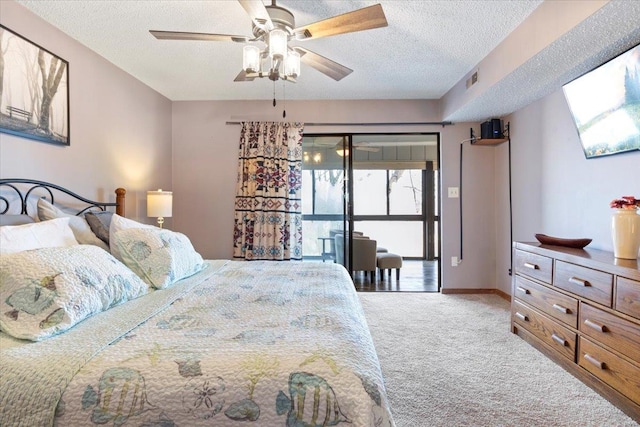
[
  {"x": 531, "y": 266},
  {"x": 558, "y": 307},
  {"x": 524, "y": 290},
  {"x": 559, "y": 340},
  {"x": 579, "y": 282},
  {"x": 522, "y": 317},
  {"x": 596, "y": 326},
  {"x": 594, "y": 361}
]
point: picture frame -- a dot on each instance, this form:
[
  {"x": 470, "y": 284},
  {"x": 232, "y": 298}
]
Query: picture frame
[{"x": 34, "y": 90}]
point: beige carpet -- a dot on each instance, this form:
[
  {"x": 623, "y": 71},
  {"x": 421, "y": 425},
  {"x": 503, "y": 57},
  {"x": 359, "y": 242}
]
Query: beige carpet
[{"x": 450, "y": 360}]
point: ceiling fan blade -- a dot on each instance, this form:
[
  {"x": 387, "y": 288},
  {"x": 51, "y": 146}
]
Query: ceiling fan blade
[
  {"x": 364, "y": 148},
  {"x": 258, "y": 13},
  {"x": 362, "y": 19},
  {"x": 179, "y": 35},
  {"x": 327, "y": 141},
  {"x": 244, "y": 77},
  {"x": 324, "y": 65}
]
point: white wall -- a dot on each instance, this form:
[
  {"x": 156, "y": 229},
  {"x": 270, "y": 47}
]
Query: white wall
[
  {"x": 125, "y": 134},
  {"x": 556, "y": 190},
  {"x": 205, "y": 161},
  {"x": 547, "y": 24},
  {"x": 120, "y": 130}
]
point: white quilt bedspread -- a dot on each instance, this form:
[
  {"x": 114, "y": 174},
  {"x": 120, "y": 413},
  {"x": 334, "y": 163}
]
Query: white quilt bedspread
[{"x": 258, "y": 343}]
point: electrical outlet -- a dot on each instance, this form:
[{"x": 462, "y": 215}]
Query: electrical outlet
[
  {"x": 453, "y": 192},
  {"x": 454, "y": 261}
]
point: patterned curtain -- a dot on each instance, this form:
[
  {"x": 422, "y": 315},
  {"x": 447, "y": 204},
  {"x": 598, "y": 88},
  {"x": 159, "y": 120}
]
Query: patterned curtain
[{"x": 268, "y": 210}]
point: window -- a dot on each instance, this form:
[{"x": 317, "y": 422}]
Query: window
[
  {"x": 322, "y": 209},
  {"x": 369, "y": 192},
  {"x": 388, "y": 192},
  {"x": 388, "y": 206},
  {"x": 405, "y": 192},
  {"x": 399, "y": 237}
]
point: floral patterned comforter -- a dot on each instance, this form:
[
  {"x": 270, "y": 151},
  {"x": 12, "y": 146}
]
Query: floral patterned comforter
[{"x": 259, "y": 343}]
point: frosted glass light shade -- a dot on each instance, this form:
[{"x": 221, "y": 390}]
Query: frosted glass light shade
[
  {"x": 251, "y": 59},
  {"x": 159, "y": 204},
  {"x": 292, "y": 64},
  {"x": 277, "y": 44}
]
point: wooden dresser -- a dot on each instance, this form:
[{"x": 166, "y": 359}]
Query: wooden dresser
[{"x": 582, "y": 309}]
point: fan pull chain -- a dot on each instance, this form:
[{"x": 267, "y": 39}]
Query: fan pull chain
[
  {"x": 284, "y": 100},
  {"x": 274, "y": 93}
]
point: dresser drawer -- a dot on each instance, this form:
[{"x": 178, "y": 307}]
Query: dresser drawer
[
  {"x": 585, "y": 282},
  {"x": 557, "y": 305},
  {"x": 628, "y": 297},
  {"x": 533, "y": 265},
  {"x": 611, "y": 330},
  {"x": 551, "y": 332},
  {"x": 613, "y": 370}
]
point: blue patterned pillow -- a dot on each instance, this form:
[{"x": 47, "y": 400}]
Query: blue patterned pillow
[
  {"x": 49, "y": 290},
  {"x": 160, "y": 257}
]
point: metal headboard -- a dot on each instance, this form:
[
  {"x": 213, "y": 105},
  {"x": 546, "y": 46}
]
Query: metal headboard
[{"x": 30, "y": 185}]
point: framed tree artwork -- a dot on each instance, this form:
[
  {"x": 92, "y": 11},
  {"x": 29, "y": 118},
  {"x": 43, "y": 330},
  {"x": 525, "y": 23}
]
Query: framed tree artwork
[{"x": 34, "y": 90}]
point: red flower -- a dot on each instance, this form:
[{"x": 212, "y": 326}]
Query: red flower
[{"x": 625, "y": 202}]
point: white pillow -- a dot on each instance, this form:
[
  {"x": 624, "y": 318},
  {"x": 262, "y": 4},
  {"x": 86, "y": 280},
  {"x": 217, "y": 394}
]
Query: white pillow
[
  {"x": 119, "y": 223},
  {"x": 79, "y": 226},
  {"x": 47, "y": 291},
  {"x": 46, "y": 234},
  {"x": 159, "y": 257}
]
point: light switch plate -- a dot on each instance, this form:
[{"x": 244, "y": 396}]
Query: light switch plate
[{"x": 453, "y": 192}]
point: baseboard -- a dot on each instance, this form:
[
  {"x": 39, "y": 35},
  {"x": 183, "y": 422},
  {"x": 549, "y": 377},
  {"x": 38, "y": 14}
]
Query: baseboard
[{"x": 498, "y": 292}]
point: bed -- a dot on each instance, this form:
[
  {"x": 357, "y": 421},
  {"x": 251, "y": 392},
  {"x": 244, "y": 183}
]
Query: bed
[{"x": 233, "y": 343}]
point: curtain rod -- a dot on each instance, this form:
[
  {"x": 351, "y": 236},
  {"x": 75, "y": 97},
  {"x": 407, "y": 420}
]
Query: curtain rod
[{"x": 443, "y": 124}]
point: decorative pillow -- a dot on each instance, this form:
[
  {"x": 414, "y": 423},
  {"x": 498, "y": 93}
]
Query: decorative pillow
[
  {"x": 47, "y": 291},
  {"x": 46, "y": 234},
  {"x": 119, "y": 223},
  {"x": 160, "y": 257},
  {"x": 15, "y": 220},
  {"x": 79, "y": 226},
  {"x": 99, "y": 223}
]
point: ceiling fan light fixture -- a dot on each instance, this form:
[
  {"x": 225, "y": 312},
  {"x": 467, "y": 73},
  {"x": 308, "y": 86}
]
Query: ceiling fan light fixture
[
  {"x": 342, "y": 152},
  {"x": 274, "y": 25},
  {"x": 277, "y": 44},
  {"x": 292, "y": 64},
  {"x": 251, "y": 59}
]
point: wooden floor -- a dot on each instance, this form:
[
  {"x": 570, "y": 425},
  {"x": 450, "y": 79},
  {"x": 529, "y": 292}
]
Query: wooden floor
[{"x": 415, "y": 276}]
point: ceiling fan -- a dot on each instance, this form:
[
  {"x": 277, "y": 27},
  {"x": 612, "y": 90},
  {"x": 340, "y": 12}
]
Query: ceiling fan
[
  {"x": 336, "y": 142},
  {"x": 275, "y": 26}
]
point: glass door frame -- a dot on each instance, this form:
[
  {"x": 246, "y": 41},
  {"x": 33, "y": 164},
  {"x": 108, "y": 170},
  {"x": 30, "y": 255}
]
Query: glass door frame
[
  {"x": 347, "y": 188},
  {"x": 430, "y": 205}
]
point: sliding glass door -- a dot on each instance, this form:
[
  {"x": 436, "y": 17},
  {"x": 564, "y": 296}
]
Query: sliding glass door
[
  {"x": 384, "y": 186},
  {"x": 325, "y": 201}
]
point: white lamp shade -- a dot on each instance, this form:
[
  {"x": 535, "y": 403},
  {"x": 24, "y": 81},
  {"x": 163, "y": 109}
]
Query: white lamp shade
[
  {"x": 251, "y": 59},
  {"x": 277, "y": 44},
  {"x": 159, "y": 203},
  {"x": 292, "y": 64}
]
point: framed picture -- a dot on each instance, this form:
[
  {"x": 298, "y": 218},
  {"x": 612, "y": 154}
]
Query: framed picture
[{"x": 34, "y": 90}]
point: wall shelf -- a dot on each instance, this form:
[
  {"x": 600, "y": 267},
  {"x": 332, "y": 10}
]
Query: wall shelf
[{"x": 489, "y": 141}]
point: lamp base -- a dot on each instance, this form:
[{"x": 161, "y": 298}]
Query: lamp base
[{"x": 160, "y": 221}]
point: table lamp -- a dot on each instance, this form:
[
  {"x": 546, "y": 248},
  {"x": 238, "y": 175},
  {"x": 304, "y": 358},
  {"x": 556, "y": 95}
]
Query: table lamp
[{"x": 159, "y": 204}]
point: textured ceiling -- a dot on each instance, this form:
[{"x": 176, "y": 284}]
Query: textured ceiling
[
  {"x": 610, "y": 31},
  {"x": 427, "y": 47}
]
